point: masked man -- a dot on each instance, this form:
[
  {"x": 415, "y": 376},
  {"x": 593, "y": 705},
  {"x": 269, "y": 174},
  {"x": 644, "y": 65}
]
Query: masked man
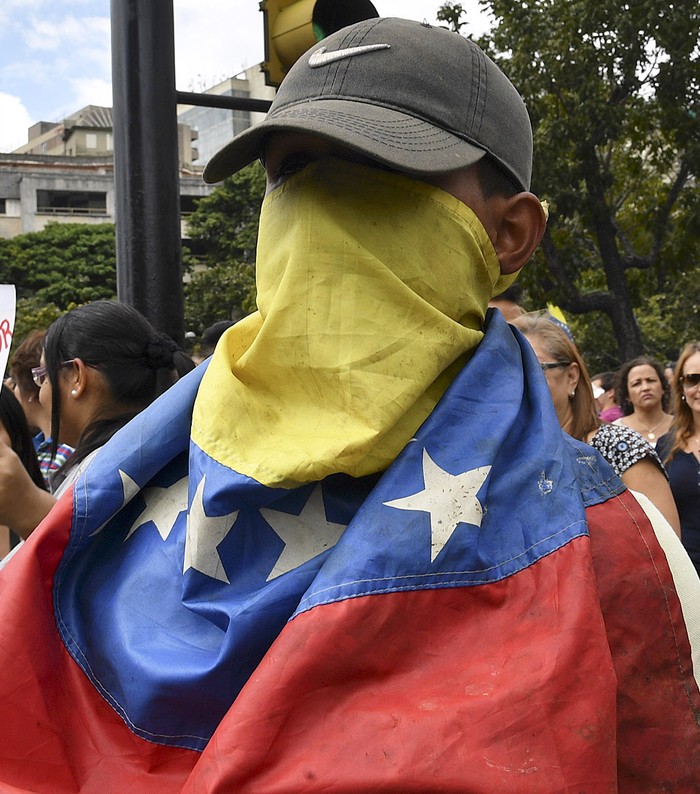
[{"x": 357, "y": 553}]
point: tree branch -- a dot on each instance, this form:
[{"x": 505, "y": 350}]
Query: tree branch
[
  {"x": 661, "y": 222},
  {"x": 573, "y": 300}
]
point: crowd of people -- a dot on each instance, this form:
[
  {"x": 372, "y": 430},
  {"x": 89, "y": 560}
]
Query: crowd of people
[
  {"x": 630, "y": 454},
  {"x": 355, "y": 551},
  {"x": 69, "y": 389},
  {"x": 647, "y": 428},
  {"x": 665, "y": 418},
  {"x": 643, "y": 418},
  {"x": 622, "y": 414}
]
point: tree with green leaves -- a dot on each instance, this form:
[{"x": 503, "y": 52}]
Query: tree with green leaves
[
  {"x": 32, "y": 315},
  {"x": 453, "y": 14},
  {"x": 65, "y": 263},
  {"x": 613, "y": 90},
  {"x": 221, "y": 260},
  {"x": 56, "y": 269}
]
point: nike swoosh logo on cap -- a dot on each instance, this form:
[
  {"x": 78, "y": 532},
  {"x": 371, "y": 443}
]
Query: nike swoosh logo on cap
[{"x": 320, "y": 57}]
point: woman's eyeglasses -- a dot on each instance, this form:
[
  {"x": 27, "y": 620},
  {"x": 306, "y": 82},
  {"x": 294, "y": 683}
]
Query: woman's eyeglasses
[
  {"x": 39, "y": 373},
  {"x": 690, "y": 380},
  {"x": 553, "y": 364}
]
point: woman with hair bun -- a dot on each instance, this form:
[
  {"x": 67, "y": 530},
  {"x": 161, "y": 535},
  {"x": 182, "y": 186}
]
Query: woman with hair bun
[{"x": 102, "y": 364}]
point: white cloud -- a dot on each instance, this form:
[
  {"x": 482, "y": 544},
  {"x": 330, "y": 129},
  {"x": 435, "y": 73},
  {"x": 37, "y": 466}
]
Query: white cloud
[
  {"x": 64, "y": 63},
  {"x": 56, "y": 53},
  {"x": 55, "y": 35},
  {"x": 91, "y": 91},
  {"x": 215, "y": 39},
  {"x": 15, "y": 121},
  {"x": 10, "y": 10}
]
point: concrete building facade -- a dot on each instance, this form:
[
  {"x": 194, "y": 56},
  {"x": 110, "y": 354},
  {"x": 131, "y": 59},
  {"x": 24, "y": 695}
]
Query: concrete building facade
[
  {"x": 65, "y": 171},
  {"x": 214, "y": 127},
  {"x": 36, "y": 190}
]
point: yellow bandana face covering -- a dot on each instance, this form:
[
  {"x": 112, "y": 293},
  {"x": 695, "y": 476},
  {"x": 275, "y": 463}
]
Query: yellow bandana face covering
[{"x": 372, "y": 289}]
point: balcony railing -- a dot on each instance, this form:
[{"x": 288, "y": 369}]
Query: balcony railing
[{"x": 71, "y": 210}]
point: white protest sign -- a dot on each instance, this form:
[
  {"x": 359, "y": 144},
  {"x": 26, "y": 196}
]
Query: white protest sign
[{"x": 7, "y": 323}]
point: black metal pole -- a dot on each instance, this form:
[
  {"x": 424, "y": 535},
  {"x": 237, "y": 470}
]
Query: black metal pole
[
  {"x": 146, "y": 173},
  {"x": 227, "y": 102}
]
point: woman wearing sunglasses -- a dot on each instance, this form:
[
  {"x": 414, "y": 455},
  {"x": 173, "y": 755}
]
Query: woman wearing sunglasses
[
  {"x": 680, "y": 448},
  {"x": 102, "y": 363},
  {"x": 631, "y": 456}
]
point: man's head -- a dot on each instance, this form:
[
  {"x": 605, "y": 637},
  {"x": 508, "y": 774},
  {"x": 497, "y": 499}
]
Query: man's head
[
  {"x": 508, "y": 302},
  {"x": 211, "y": 335},
  {"x": 604, "y": 390},
  {"x": 411, "y": 98},
  {"x": 415, "y": 98}
]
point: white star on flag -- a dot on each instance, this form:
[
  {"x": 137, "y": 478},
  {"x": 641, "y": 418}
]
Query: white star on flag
[
  {"x": 129, "y": 490},
  {"x": 204, "y": 533},
  {"x": 450, "y": 499},
  {"x": 305, "y": 536},
  {"x": 163, "y": 506}
]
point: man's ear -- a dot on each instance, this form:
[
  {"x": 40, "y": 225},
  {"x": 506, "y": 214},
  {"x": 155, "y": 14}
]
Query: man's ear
[{"x": 521, "y": 227}]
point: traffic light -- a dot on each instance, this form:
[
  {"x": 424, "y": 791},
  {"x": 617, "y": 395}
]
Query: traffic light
[{"x": 292, "y": 26}]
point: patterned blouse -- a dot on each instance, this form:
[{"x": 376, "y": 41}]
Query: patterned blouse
[
  {"x": 42, "y": 445},
  {"x": 622, "y": 447}
]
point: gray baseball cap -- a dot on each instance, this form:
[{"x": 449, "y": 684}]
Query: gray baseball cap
[{"x": 414, "y": 97}]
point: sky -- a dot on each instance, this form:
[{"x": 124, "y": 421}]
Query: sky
[{"x": 55, "y": 54}]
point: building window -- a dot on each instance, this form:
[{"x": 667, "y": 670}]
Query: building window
[
  {"x": 71, "y": 202},
  {"x": 90, "y": 140},
  {"x": 3, "y": 206},
  {"x": 188, "y": 204}
]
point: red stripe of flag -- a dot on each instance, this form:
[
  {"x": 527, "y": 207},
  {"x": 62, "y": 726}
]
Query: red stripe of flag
[
  {"x": 58, "y": 734},
  {"x": 509, "y": 686},
  {"x": 658, "y": 699},
  {"x": 500, "y": 687}
]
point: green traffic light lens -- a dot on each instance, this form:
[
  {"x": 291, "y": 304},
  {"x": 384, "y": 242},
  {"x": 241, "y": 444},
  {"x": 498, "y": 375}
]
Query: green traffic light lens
[
  {"x": 319, "y": 32},
  {"x": 332, "y": 15}
]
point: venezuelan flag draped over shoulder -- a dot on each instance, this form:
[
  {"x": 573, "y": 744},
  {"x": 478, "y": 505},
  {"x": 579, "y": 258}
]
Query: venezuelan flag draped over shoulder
[{"x": 449, "y": 598}]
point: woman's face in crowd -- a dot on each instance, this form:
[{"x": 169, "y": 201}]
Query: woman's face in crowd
[
  {"x": 692, "y": 393},
  {"x": 561, "y": 380},
  {"x": 45, "y": 388},
  {"x": 644, "y": 387},
  {"x": 72, "y": 420}
]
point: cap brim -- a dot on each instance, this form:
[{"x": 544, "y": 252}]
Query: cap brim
[{"x": 404, "y": 142}]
